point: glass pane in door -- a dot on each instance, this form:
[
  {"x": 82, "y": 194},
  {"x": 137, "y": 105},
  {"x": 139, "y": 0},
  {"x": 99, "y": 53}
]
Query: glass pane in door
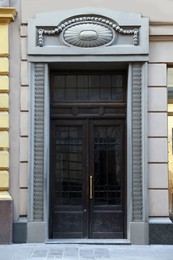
[
  {"x": 69, "y": 158},
  {"x": 107, "y": 177}
]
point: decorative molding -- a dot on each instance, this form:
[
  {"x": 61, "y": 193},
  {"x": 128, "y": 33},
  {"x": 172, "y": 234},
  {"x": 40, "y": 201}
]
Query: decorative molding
[
  {"x": 88, "y": 35},
  {"x": 137, "y": 200},
  {"x": 38, "y": 192},
  {"x": 102, "y": 30}
]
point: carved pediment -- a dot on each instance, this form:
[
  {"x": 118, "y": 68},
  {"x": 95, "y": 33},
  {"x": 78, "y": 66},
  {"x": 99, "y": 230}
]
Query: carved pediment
[{"x": 88, "y": 32}]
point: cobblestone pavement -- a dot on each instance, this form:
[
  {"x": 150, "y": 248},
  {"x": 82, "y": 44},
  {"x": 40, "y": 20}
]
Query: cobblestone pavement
[{"x": 84, "y": 252}]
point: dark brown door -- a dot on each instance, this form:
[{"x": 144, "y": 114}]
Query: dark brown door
[
  {"x": 88, "y": 155},
  {"x": 88, "y": 179},
  {"x": 106, "y": 200}
]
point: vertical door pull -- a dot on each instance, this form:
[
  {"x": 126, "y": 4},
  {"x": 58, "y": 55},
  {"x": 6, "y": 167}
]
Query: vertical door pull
[{"x": 91, "y": 187}]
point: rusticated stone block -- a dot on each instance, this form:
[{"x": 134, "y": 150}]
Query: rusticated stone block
[{"x": 5, "y": 221}]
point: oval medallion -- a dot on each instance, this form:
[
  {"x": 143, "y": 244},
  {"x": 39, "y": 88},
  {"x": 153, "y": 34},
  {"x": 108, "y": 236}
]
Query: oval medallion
[{"x": 88, "y": 35}]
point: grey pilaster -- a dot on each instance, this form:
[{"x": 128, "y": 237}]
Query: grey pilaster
[
  {"x": 37, "y": 200},
  {"x": 139, "y": 231},
  {"x": 137, "y": 202},
  {"x": 38, "y": 144}
]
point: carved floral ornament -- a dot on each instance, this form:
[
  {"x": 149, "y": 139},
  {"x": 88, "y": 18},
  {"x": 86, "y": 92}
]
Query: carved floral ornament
[{"x": 88, "y": 32}]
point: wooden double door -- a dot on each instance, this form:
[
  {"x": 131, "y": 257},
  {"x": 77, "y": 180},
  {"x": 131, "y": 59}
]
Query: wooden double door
[
  {"x": 87, "y": 184},
  {"x": 88, "y": 155}
]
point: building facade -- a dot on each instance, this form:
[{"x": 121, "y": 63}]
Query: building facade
[{"x": 86, "y": 122}]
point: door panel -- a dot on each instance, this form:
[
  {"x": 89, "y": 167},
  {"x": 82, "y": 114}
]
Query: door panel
[
  {"x": 107, "y": 206},
  {"x": 107, "y": 165},
  {"x": 69, "y": 168},
  {"x": 67, "y": 179},
  {"x": 87, "y": 179}
]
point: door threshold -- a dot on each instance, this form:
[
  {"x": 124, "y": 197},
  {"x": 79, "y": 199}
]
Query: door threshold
[{"x": 89, "y": 241}]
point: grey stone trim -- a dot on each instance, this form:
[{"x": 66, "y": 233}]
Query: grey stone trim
[
  {"x": 46, "y": 146},
  {"x": 88, "y": 58},
  {"x": 139, "y": 233},
  {"x": 129, "y": 149},
  {"x": 38, "y": 175},
  {"x": 36, "y": 232},
  {"x": 137, "y": 189},
  {"x": 144, "y": 115},
  {"x": 130, "y": 33},
  {"x": 136, "y": 170},
  {"x": 123, "y": 52}
]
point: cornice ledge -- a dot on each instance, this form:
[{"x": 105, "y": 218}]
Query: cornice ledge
[
  {"x": 157, "y": 23},
  {"x": 7, "y": 14},
  {"x": 4, "y": 195},
  {"x": 161, "y": 38}
]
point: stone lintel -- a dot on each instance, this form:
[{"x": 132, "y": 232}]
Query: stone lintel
[{"x": 4, "y": 195}]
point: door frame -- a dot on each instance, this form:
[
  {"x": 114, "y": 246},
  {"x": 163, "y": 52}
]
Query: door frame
[
  {"x": 137, "y": 80},
  {"x": 118, "y": 106},
  {"x": 132, "y": 52}
]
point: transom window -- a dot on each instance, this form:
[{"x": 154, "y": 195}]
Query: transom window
[{"x": 88, "y": 86}]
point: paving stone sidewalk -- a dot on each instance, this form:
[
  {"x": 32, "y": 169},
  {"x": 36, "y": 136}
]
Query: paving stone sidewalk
[{"x": 84, "y": 252}]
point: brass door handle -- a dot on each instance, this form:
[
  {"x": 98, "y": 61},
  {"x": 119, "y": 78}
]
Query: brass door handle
[{"x": 91, "y": 187}]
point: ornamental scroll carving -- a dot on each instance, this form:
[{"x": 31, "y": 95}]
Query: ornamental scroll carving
[{"x": 88, "y": 32}]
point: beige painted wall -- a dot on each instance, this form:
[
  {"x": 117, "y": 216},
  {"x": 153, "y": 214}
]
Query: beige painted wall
[
  {"x": 156, "y": 10},
  {"x": 14, "y": 100},
  {"x": 157, "y": 139}
]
